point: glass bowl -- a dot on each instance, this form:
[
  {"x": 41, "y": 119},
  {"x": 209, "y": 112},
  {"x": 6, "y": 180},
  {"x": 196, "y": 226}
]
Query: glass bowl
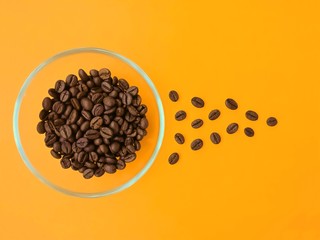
[{"x": 30, "y": 143}]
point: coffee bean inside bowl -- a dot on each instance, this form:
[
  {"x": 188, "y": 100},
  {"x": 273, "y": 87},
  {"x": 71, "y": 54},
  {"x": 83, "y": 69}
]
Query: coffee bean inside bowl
[{"x": 93, "y": 123}]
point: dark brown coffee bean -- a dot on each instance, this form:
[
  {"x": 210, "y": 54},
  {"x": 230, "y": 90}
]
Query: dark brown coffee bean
[
  {"x": 98, "y": 141},
  {"x": 59, "y": 122},
  {"x": 123, "y": 84},
  {"x": 91, "y": 86},
  {"x": 249, "y": 132},
  {"x": 179, "y": 138},
  {"x": 120, "y": 111},
  {"x": 196, "y": 144},
  {"x": 231, "y": 104},
  {"x": 214, "y": 114},
  {"x": 40, "y": 127},
  {"x": 90, "y": 148},
  {"x": 79, "y": 134},
  {"x": 106, "y": 132},
  {"x": 272, "y": 121},
  {"x": 66, "y": 147},
  {"x": 94, "y": 73},
  {"x": 197, "y": 102},
  {"x": 60, "y": 86},
  {"x": 74, "y": 91},
  {"x": 136, "y": 101},
  {"x": 129, "y": 158},
  {"x": 88, "y": 173},
  {"x": 144, "y": 123},
  {"x": 109, "y": 110},
  {"x": 97, "y": 81},
  {"x": 90, "y": 165},
  {"x": 114, "y": 126},
  {"x": 86, "y": 104},
  {"x": 53, "y": 116},
  {"x": 110, "y": 168},
  {"x": 137, "y": 145},
  {"x": 65, "y": 163},
  {"x": 75, "y": 165},
  {"x": 103, "y": 148},
  {"x": 57, "y": 147},
  {"x": 252, "y": 115},
  {"x": 67, "y": 110},
  {"x": 47, "y": 104},
  {"x": 43, "y": 114},
  {"x": 50, "y": 139},
  {"x": 99, "y": 172},
  {"x": 86, "y": 114},
  {"x": 81, "y": 95},
  {"x": 232, "y": 128},
  {"x": 97, "y": 110},
  {"x": 83, "y": 75},
  {"x": 197, "y": 123},
  {"x": 111, "y": 160},
  {"x": 133, "y": 90},
  {"x": 92, "y": 134},
  {"x": 75, "y": 103},
  {"x": 75, "y": 147},
  {"x": 173, "y": 158},
  {"x": 73, "y": 117},
  {"x": 143, "y": 109},
  {"x": 82, "y": 157},
  {"x": 174, "y": 96},
  {"x": 53, "y": 93},
  {"x": 96, "y": 122},
  {"x": 129, "y": 117},
  {"x": 180, "y": 115},
  {"x": 65, "y": 131},
  {"x": 74, "y": 127},
  {"x": 97, "y": 98},
  {"x": 115, "y": 147},
  {"x": 215, "y": 138},
  {"x": 127, "y": 99},
  {"x": 72, "y": 80},
  {"x": 109, "y": 101},
  {"x": 104, "y": 73},
  {"x": 55, "y": 154},
  {"x": 93, "y": 156},
  {"x": 120, "y": 164},
  {"x": 47, "y": 128},
  {"x": 106, "y": 87},
  {"x": 82, "y": 142},
  {"x": 65, "y": 96},
  {"x": 85, "y": 126}
]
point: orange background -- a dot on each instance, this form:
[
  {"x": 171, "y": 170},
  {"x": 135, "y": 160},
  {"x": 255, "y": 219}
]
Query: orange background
[{"x": 265, "y": 54}]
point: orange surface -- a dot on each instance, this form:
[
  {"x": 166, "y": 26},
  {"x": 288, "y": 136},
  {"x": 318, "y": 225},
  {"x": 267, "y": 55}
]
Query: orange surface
[{"x": 265, "y": 54}]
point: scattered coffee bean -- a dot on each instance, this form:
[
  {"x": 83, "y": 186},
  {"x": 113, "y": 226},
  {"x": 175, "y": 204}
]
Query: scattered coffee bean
[
  {"x": 214, "y": 114},
  {"x": 180, "y": 115},
  {"x": 173, "y": 158},
  {"x": 231, "y": 104},
  {"x": 65, "y": 163},
  {"x": 232, "y": 128},
  {"x": 110, "y": 168},
  {"x": 252, "y": 115},
  {"x": 272, "y": 121},
  {"x": 179, "y": 138},
  {"x": 197, "y": 102},
  {"x": 215, "y": 138},
  {"x": 196, "y": 144},
  {"x": 249, "y": 132},
  {"x": 88, "y": 173},
  {"x": 174, "y": 96},
  {"x": 197, "y": 123}
]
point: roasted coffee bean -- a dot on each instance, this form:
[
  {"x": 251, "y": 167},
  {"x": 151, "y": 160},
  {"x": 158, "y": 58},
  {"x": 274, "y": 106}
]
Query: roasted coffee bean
[
  {"x": 99, "y": 172},
  {"x": 86, "y": 104},
  {"x": 40, "y": 127},
  {"x": 93, "y": 156},
  {"x": 131, "y": 148},
  {"x": 114, "y": 126},
  {"x": 103, "y": 148},
  {"x": 232, "y": 128},
  {"x": 215, "y": 138},
  {"x": 43, "y": 114},
  {"x": 82, "y": 157},
  {"x": 144, "y": 123},
  {"x": 92, "y": 134},
  {"x": 133, "y": 90},
  {"x": 96, "y": 122},
  {"x": 81, "y": 94},
  {"x": 252, "y": 115},
  {"x": 59, "y": 122},
  {"x": 136, "y": 101},
  {"x": 128, "y": 99},
  {"x": 53, "y": 116},
  {"x": 110, "y": 110},
  {"x": 65, "y": 131},
  {"x": 74, "y": 127},
  {"x": 179, "y": 138},
  {"x": 75, "y": 165},
  {"x": 82, "y": 169},
  {"x": 82, "y": 142},
  {"x": 109, "y": 101},
  {"x": 47, "y": 103},
  {"x": 249, "y": 132},
  {"x": 55, "y": 154},
  {"x": 75, "y": 103},
  {"x": 120, "y": 111},
  {"x": 197, "y": 102},
  {"x": 72, "y": 80},
  {"x": 50, "y": 139},
  {"x": 174, "y": 96},
  {"x": 180, "y": 115},
  {"x": 97, "y": 81},
  {"x": 137, "y": 145},
  {"x": 80, "y": 120},
  {"x": 73, "y": 117},
  {"x": 113, "y": 94},
  {"x": 91, "y": 85},
  {"x": 94, "y": 73},
  {"x": 197, "y": 123},
  {"x": 86, "y": 114},
  {"x": 85, "y": 126},
  {"x": 120, "y": 164},
  {"x": 90, "y": 148},
  {"x": 115, "y": 147},
  {"x": 128, "y": 141},
  {"x": 57, "y": 147},
  {"x": 67, "y": 110},
  {"x": 231, "y": 104},
  {"x": 65, "y": 163},
  {"x": 53, "y": 93},
  {"x": 83, "y": 75},
  {"x": 104, "y": 73},
  {"x": 74, "y": 91},
  {"x": 79, "y": 134},
  {"x": 106, "y": 87},
  {"x": 196, "y": 144},
  {"x": 110, "y": 168},
  {"x": 272, "y": 121},
  {"x": 98, "y": 141},
  {"x": 173, "y": 158},
  {"x": 114, "y": 80},
  {"x": 66, "y": 147},
  {"x": 111, "y": 160},
  {"x": 214, "y": 114},
  {"x": 123, "y": 84},
  {"x": 88, "y": 173},
  {"x": 60, "y": 86},
  {"x": 65, "y": 96},
  {"x": 106, "y": 132},
  {"x": 129, "y": 158},
  {"x": 143, "y": 109},
  {"x": 75, "y": 147},
  {"x": 47, "y": 128},
  {"x": 97, "y": 98},
  {"x": 90, "y": 165},
  {"x": 129, "y": 117}
]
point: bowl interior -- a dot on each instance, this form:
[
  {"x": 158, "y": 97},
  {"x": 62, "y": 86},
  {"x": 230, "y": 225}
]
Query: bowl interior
[{"x": 31, "y": 144}]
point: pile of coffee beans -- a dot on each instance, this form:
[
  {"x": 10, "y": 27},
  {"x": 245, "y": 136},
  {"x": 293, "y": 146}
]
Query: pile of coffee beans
[
  {"x": 93, "y": 124},
  {"x": 215, "y": 137}
]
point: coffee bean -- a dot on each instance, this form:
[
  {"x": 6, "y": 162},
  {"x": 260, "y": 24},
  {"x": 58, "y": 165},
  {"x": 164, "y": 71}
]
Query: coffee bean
[
  {"x": 72, "y": 80},
  {"x": 86, "y": 104},
  {"x": 180, "y": 115},
  {"x": 60, "y": 86},
  {"x": 106, "y": 132},
  {"x": 197, "y": 102},
  {"x": 97, "y": 98},
  {"x": 252, "y": 115},
  {"x": 109, "y": 110},
  {"x": 74, "y": 91},
  {"x": 65, "y": 131},
  {"x": 96, "y": 122},
  {"x": 65, "y": 163},
  {"x": 103, "y": 148},
  {"x": 136, "y": 101},
  {"x": 81, "y": 94},
  {"x": 55, "y": 154},
  {"x": 215, "y": 138},
  {"x": 90, "y": 165},
  {"x": 53, "y": 93},
  {"x": 115, "y": 147},
  {"x": 131, "y": 148},
  {"x": 272, "y": 121},
  {"x": 144, "y": 123},
  {"x": 214, "y": 114},
  {"x": 86, "y": 114},
  {"x": 127, "y": 100},
  {"x": 120, "y": 164},
  {"x": 82, "y": 157},
  {"x": 94, "y": 73},
  {"x": 231, "y": 104},
  {"x": 133, "y": 111},
  {"x": 43, "y": 114},
  {"x": 65, "y": 96},
  {"x": 197, "y": 123},
  {"x": 142, "y": 109},
  {"x": 40, "y": 127},
  {"x": 82, "y": 142},
  {"x": 110, "y": 168},
  {"x": 120, "y": 111},
  {"x": 106, "y": 119},
  {"x": 173, "y": 158},
  {"x": 88, "y": 173},
  {"x": 249, "y": 132},
  {"x": 111, "y": 160},
  {"x": 179, "y": 138},
  {"x": 114, "y": 126},
  {"x": 66, "y": 147},
  {"x": 133, "y": 90},
  {"x": 75, "y": 103},
  {"x": 196, "y": 144},
  {"x": 92, "y": 134},
  {"x": 90, "y": 148},
  {"x": 109, "y": 101},
  {"x": 174, "y": 96},
  {"x": 58, "y": 107},
  {"x": 93, "y": 156},
  {"x": 232, "y": 128},
  {"x": 123, "y": 84},
  {"x": 104, "y": 73},
  {"x": 67, "y": 110},
  {"x": 99, "y": 172},
  {"x": 47, "y": 104},
  {"x": 137, "y": 145},
  {"x": 129, "y": 158},
  {"x": 56, "y": 147},
  {"x": 83, "y": 75},
  {"x": 106, "y": 87}
]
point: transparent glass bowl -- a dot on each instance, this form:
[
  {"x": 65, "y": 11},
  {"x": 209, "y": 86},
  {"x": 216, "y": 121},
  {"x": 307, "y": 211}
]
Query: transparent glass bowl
[{"x": 31, "y": 144}]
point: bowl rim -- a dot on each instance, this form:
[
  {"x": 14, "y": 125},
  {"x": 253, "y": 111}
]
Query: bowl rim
[{"x": 19, "y": 100}]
